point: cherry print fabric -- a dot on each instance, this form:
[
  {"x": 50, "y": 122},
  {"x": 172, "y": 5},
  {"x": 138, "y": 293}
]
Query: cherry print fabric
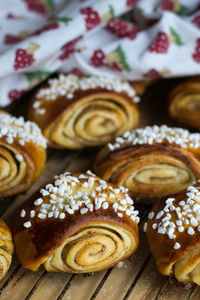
[{"x": 153, "y": 39}]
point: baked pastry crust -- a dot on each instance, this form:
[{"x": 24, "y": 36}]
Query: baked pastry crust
[
  {"x": 151, "y": 162},
  {"x": 22, "y": 154},
  {"x": 184, "y": 104},
  {"x": 75, "y": 228},
  {"x": 140, "y": 87},
  {"x": 75, "y": 112},
  {"x": 173, "y": 233},
  {"x": 6, "y": 248}
]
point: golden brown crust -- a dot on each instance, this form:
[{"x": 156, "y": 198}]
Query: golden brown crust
[
  {"x": 162, "y": 248},
  {"x": 150, "y": 172},
  {"x": 185, "y": 103},
  {"x": 91, "y": 117},
  {"x": 178, "y": 255},
  {"x": 35, "y": 245},
  {"x": 140, "y": 86},
  {"x": 6, "y": 248},
  {"x": 21, "y": 158}
]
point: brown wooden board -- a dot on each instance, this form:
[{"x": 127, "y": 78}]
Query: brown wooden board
[{"x": 137, "y": 279}]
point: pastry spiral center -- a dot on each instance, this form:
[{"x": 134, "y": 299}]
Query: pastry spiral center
[
  {"x": 5, "y": 259},
  {"x": 96, "y": 248},
  {"x": 156, "y": 175},
  {"x": 4, "y": 168},
  {"x": 93, "y": 121},
  {"x": 162, "y": 174},
  {"x": 189, "y": 102},
  {"x": 12, "y": 171},
  {"x": 100, "y": 125},
  {"x": 92, "y": 249},
  {"x": 99, "y": 119}
]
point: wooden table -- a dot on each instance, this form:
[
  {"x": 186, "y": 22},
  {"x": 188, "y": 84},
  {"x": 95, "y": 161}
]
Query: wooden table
[{"x": 138, "y": 279}]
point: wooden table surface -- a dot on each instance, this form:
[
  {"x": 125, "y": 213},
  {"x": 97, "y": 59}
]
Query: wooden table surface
[{"x": 138, "y": 279}]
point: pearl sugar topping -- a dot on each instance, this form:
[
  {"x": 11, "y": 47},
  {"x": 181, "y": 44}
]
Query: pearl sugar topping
[
  {"x": 183, "y": 216},
  {"x": 67, "y": 85},
  {"x": 26, "y": 131},
  {"x": 158, "y": 134},
  {"x": 85, "y": 193}
]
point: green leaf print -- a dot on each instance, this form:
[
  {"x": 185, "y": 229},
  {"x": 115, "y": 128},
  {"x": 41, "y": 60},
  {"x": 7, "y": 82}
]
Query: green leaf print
[
  {"x": 36, "y": 77},
  {"x": 61, "y": 19},
  {"x": 122, "y": 58},
  {"x": 182, "y": 10},
  {"x": 176, "y": 36},
  {"x": 50, "y": 4},
  {"x": 111, "y": 10}
]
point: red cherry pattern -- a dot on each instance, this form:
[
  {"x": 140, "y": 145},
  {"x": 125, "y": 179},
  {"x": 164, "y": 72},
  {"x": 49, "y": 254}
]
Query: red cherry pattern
[
  {"x": 10, "y": 39},
  {"x": 69, "y": 48},
  {"x": 121, "y": 29},
  {"x": 196, "y": 54},
  {"x": 92, "y": 18},
  {"x": 98, "y": 58},
  {"x": 152, "y": 73},
  {"x": 160, "y": 44},
  {"x": 196, "y": 21},
  {"x": 23, "y": 59},
  {"x": 14, "y": 94},
  {"x": 167, "y": 5},
  {"x": 76, "y": 71},
  {"x": 131, "y": 2},
  {"x": 10, "y": 16},
  {"x": 35, "y": 6},
  {"x": 114, "y": 66}
]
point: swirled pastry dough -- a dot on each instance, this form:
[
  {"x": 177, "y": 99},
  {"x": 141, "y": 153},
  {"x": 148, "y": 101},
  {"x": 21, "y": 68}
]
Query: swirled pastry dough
[
  {"x": 151, "y": 162},
  {"x": 22, "y": 154},
  {"x": 185, "y": 102},
  {"x": 77, "y": 112},
  {"x": 173, "y": 232},
  {"x": 78, "y": 224},
  {"x": 6, "y": 249}
]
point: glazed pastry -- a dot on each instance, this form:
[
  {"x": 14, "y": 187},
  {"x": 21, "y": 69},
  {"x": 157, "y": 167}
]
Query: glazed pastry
[
  {"x": 185, "y": 103},
  {"x": 151, "y": 162},
  {"x": 77, "y": 112},
  {"x": 76, "y": 224},
  {"x": 22, "y": 154},
  {"x": 6, "y": 249},
  {"x": 173, "y": 232}
]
